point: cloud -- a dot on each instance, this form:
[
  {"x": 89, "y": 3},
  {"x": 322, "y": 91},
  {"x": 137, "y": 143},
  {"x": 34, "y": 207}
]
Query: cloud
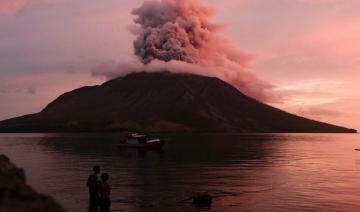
[
  {"x": 10, "y": 7},
  {"x": 310, "y": 92},
  {"x": 311, "y": 86},
  {"x": 319, "y": 112}
]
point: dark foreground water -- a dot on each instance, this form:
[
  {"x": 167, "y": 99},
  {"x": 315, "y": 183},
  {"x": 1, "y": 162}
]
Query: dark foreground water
[{"x": 273, "y": 172}]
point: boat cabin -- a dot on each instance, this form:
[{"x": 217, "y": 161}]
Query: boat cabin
[
  {"x": 135, "y": 140},
  {"x": 141, "y": 139}
]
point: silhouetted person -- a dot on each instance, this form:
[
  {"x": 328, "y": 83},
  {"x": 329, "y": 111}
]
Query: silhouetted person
[
  {"x": 93, "y": 185},
  {"x": 104, "y": 191}
]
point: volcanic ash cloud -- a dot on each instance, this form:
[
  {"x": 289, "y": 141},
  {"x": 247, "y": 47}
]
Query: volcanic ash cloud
[
  {"x": 177, "y": 35},
  {"x": 173, "y": 30},
  {"x": 180, "y": 30}
]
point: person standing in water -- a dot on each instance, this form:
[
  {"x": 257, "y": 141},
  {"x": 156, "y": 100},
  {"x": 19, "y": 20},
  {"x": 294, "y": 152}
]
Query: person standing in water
[
  {"x": 93, "y": 186},
  {"x": 104, "y": 191}
]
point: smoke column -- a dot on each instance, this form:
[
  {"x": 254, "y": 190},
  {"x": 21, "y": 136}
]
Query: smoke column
[
  {"x": 179, "y": 30},
  {"x": 176, "y": 35},
  {"x": 173, "y": 30}
]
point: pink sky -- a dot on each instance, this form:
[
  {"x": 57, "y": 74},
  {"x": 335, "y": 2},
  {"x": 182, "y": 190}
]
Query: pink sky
[{"x": 306, "y": 48}]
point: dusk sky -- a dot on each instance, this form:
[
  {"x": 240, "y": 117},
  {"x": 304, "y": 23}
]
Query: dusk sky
[{"x": 306, "y": 49}]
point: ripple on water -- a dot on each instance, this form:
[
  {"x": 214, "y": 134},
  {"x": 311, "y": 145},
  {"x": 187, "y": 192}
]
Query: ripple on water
[{"x": 275, "y": 172}]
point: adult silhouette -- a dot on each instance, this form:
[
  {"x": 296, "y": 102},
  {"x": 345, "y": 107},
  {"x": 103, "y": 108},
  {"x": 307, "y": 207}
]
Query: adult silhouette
[{"x": 93, "y": 186}]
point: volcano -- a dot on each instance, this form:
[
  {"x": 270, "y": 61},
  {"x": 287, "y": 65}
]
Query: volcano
[{"x": 163, "y": 102}]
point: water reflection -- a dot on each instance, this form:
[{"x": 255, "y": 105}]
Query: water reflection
[
  {"x": 188, "y": 164},
  {"x": 251, "y": 172}
]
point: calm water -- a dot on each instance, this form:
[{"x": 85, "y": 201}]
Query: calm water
[{"x": 273, "y": 172}]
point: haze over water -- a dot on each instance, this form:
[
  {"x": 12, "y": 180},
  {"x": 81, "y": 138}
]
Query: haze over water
[{"x": 270, "y": 172}]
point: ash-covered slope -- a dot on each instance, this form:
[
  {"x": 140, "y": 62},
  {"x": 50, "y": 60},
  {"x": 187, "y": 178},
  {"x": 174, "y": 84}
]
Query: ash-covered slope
[{"x": 163, "y": 102}]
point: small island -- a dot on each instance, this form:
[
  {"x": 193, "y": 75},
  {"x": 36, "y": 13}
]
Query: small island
[{"x": 164, "y": 102}]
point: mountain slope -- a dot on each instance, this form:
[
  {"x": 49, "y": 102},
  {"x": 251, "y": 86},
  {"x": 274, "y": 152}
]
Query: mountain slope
[{"x": 162, "y": 102}]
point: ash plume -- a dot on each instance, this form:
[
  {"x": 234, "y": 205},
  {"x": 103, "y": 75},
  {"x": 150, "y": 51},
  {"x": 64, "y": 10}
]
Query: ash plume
[
  {"x": 180, "y": 30},
  {"x": 177, "y": 35},
  {"x": 173, "y": 30}
]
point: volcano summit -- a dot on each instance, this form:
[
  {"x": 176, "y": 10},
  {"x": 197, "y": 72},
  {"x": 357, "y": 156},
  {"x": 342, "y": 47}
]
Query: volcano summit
[{"x": 163, "y": 102}]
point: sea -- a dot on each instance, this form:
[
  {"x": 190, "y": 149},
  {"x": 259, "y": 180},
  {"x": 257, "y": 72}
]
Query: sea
[{"x": 243, "y": 172}]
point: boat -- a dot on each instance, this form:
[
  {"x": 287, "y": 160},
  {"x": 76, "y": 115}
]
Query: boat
[{"x": 138, "y": 141}]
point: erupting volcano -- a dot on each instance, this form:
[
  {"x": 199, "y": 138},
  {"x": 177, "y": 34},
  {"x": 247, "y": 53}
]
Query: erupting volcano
[
  {"x": 210, "y": 87},
  {"x": 177, "y": 35},
  {"x": 162, "y": 102}
]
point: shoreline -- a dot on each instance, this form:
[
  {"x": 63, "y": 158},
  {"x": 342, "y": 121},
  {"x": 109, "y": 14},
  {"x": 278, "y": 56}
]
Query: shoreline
[{"x": 16, "y": 195}]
